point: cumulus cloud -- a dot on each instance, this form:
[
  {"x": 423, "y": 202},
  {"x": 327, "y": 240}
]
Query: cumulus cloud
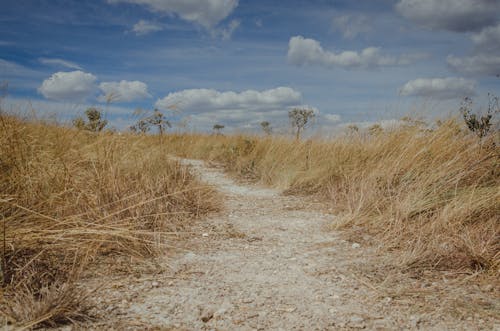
[
  {"x": 143, "y": 27},
  {"x": 488, "y": 40},
  {"x": 480, "y": 64},
  {"x": 484, "y": 59},
  {"x": 123, "y": 91},
  {"x": 203, "y": 100},
  {"x": 440, "y": 88},
  {"x": 59, "y": 62},
  {"x": 305, "y": 51},
  {"x": 203, "y": 12},
  {"x": 351, "y": 25},
  {"x": 74, "y": 85},
  {"x": 451, "y": 15}
]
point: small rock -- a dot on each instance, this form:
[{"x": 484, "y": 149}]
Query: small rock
[
  {"x": 387, "y": 299},
  {"x": 414, "y": 320},
  {"x": 155, "y": 284},
  {"x": 205, "y": 235},
  {"x": 207, "y": 316},
  {"x": 381, "y": 324},
  {"x": 356, "y": 319},
  {"x": 355, "y": 245},
  {"x": 247, "y": 300}
]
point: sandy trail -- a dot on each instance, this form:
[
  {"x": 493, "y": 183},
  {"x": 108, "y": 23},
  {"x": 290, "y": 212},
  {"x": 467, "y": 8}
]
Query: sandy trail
[{"x": 267, "y": 263}]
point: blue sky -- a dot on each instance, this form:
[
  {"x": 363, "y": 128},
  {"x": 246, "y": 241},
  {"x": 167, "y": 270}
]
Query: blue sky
[{"x": 238, "y": 63}]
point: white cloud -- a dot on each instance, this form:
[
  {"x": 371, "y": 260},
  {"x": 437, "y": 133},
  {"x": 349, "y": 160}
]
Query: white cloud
[
  {"x": 452, "y": 15},
  {"x": 207, "y": 13},
  {"x": 481, "y": 64},
  {"x": 225, "y": 33},
  {"x": 488, "y": 40},
  {"x": 351, "y": 25},
  {"x": 74, "y": 85},
  {"x": 12, "y": 69},
  {"x": 440, "y": 88},
  {"x": 233, "y": 109},
  {"x": 204, "y": 100},
  {"x": 143, "y": 27},
  {"x": 123, "y": 91},
  {"x": 484, "y": 58},
  {"x": 118, "y": 117},
  {"x": 59, "y": 62},
  {"x": 305, "y": 51}
]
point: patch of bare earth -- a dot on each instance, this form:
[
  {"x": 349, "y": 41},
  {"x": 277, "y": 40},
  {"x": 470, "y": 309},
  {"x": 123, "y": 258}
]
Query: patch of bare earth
[{"x": 269, "y": 262}]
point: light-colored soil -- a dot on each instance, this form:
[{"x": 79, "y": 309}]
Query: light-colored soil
[{"x": 268, "y": 262}]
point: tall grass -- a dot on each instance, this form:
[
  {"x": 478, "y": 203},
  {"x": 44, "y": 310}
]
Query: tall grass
[
  {"x": 69, "y": 199},
  {"x": 430, "y": 196}
]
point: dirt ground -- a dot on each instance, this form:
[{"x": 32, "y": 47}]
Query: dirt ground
[{"x": 270, "y": 262}]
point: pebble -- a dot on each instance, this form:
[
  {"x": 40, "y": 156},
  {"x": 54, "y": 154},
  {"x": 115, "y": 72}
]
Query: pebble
[
  {"x": 356, "y": 319},
  {"x": 355, "y": 245},
  {"x": 207, "y": 316},
  {"x": 414, "y": 320},
  {"x": 155, "y": 284},
  {"x": 205, "y": 235}
]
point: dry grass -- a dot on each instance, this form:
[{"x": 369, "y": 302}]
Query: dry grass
[
  {"x": 432, "y": 197},
  {"x": 70, "y": 198}
]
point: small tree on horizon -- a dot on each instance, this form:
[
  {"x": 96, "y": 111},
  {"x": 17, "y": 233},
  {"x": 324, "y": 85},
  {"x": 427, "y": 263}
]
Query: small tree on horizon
[
  {"x": 94, "y": 122},
  {"x": 266, "y": 127},
  {"x": 477, "y": 123},
  {"x": 142, "y": 126},
  {"x": 300, "y": 118},
  {"x": 159, "y": 120},
  {"x": 217, "y": 128}
]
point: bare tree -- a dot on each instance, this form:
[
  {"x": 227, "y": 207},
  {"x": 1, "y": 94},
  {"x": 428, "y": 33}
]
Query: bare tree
[{"x": 300, "y": 118}]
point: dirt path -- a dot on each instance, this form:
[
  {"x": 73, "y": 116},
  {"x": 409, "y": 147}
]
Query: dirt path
[{"x": 267, "y": 263}]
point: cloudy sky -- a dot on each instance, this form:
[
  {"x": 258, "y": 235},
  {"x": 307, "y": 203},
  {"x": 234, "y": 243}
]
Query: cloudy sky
[{"x": 238, "y": 63}]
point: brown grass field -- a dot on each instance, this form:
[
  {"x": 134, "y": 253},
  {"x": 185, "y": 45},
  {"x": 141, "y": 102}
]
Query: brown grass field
[
  {"x": 430, "y": 198},
  {"x": 69, "y": 199}
]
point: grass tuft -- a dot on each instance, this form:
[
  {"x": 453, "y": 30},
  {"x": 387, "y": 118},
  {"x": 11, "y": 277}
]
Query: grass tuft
[{"x": 69, "y": 199}]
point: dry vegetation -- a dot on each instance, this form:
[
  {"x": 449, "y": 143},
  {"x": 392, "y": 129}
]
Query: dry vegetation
[
  {"x": 70, "y": 199},
  {"x": 430, "y": 196}
]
